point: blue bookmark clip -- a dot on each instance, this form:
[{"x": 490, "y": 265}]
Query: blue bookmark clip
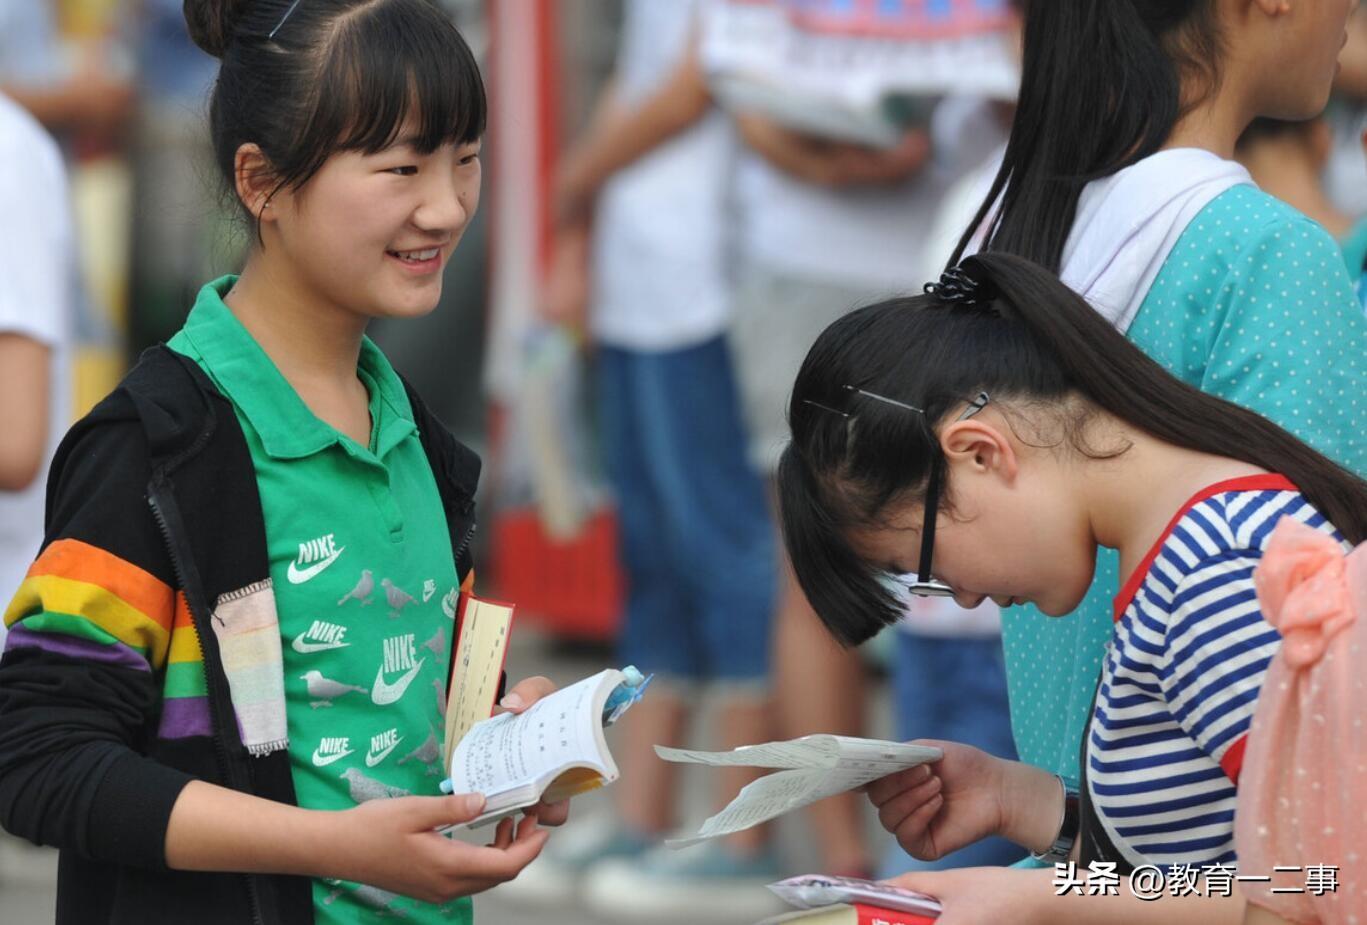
[{"x": 625, "y": 694}]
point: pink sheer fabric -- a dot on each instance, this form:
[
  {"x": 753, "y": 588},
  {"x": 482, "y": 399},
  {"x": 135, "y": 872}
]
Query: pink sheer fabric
[{"x": 1303, "y": 790}]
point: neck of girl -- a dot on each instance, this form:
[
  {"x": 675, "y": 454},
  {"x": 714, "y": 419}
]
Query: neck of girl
[
  {"x": 309, "y": 341},
  {"x": 1213, "y": 124},
  {"x": 1132, "y": 521},
  {"x": 316, "y": 345}
]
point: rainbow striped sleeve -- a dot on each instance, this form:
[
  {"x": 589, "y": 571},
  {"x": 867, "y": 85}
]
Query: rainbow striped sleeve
[{"x": 83, "y": 602}]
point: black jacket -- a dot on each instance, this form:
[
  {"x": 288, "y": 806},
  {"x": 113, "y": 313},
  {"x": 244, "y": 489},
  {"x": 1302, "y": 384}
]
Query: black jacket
[{"x": 159, "y": 476}]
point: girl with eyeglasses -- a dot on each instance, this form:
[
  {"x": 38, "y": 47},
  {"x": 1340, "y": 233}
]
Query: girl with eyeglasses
[
  {"x": 991, "y": 436},
  {"x": 1119, "y": 177}
]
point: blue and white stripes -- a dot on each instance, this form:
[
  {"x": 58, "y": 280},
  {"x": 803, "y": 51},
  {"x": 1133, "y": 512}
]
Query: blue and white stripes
[{"x": 1182, "y": 674}]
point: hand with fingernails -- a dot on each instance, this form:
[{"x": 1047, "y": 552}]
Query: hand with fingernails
[
  {"x": 967, "y": 795},
  {"x": 394, "y": 844}
]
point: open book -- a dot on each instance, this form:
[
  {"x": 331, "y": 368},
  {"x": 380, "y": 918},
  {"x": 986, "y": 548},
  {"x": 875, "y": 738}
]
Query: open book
[
  {"x": 812, "y": 768},
  {"x": 554, "y": 750}
]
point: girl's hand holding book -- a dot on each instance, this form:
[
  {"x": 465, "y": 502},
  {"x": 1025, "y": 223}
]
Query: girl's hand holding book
[{"x": 396, "y": 847}]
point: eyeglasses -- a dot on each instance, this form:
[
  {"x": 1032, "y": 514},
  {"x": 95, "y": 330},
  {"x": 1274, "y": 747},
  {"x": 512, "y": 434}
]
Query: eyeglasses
[{"x": 925, "y": 585}]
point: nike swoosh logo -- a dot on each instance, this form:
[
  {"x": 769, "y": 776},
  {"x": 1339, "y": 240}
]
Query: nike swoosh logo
[
  {"x": 322, "y": 761},
  {"x": 372, "y": 760},
  {"x": 304, "y": 648},
  {"x": 448, "y": 606},
  {"x": 298, "y": 576},
  {"x": 383, "y": 694}
]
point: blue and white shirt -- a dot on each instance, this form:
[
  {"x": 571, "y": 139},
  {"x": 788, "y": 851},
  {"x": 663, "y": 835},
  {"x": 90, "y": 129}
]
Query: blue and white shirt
[{"x": 1182, "y": 674}]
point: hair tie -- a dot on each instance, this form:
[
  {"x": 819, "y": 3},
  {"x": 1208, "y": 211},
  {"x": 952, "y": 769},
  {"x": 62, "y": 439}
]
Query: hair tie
[{"x": 964, "y": 285}]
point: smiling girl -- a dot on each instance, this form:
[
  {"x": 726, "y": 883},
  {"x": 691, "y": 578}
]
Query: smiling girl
[
  {"x": 991, "y": 436},
  {"x": 225, "y": 670}
]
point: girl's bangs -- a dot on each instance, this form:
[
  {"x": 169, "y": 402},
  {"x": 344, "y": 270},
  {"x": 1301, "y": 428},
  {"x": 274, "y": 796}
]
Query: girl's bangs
[{"x": 389, "y": 72}]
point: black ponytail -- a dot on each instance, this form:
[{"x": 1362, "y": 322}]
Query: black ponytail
[
  {"x": 1101, "y": 88},
  {"x": 1032, "y": 340}
]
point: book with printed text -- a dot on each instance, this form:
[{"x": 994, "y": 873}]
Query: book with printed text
[{"x": 554, "y": 750}]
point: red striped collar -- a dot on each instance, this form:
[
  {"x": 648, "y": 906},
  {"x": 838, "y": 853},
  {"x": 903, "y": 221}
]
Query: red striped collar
[{"x": 1265, "y": 482}]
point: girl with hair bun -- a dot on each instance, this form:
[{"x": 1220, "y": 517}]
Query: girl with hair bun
[
  {"x": 222, "y": 688},
  {"x": 991, "y": 436},
  {"x": 1119, "y": 177}
]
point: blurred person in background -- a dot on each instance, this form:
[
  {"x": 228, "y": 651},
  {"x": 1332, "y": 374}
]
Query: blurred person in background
[
  {"x": 827, "y": 222},
  {"x": 36, "y": 295},
  {"x": 93, "y": 100},
  {"x": 1347, "y": 116},
  {"x": 642, "y": 250},
  {"x": 181, "y": 229},
  {"x": 1289, "y": 160}
]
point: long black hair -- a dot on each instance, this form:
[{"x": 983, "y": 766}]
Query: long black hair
[
  {"x": 304, "y": 79},
  {"x": 1101, "y": 88},
  {"x": 1031, "y": 341}
]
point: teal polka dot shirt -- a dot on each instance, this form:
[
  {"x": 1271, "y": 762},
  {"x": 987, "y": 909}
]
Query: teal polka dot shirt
[{"x": 1254, "y": 305}]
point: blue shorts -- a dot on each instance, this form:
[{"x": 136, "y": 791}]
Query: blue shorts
[{"x": 697, "y": 543}]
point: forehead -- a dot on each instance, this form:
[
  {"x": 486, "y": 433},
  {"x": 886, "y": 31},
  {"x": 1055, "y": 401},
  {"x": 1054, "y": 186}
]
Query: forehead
[{"x": 894, "y": 543}]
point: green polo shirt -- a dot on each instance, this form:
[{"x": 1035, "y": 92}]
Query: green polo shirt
[{"x": 364, "y": 581}]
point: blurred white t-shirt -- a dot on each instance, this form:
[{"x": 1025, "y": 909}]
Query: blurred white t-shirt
[
  {"x": 870, "y": 237},
  {"x": 660, "y": 245},
  {"x": 37, "y": 246}
]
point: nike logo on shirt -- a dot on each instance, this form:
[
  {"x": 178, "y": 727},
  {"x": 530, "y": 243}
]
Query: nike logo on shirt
[
  {"x": 381, "y": 745},
  {"x": 400, "y": 654},
  {"x": 320, "y": 637},
  {"x": 314, "y": 556},
  {"x": 330, "y": 750}
]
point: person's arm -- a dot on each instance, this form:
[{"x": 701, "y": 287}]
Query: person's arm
[
  {"x": 976, "y": 895},
  {"x": 34, "y": 295},
  {"x": 25, "y": 376},
  {"x": 90, "y": 101},
  {"x": 392, "y": 844},
  {"x": 822, "y": 162},
  {"x": 620, "y": 134}
]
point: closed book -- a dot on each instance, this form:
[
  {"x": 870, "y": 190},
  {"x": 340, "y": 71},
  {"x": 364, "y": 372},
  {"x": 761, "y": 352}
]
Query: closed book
[{"x": 852, "y": 914}]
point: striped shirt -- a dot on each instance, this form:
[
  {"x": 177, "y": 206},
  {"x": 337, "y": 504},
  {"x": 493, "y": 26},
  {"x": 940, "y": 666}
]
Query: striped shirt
[{"x": 1182, "y": 673}]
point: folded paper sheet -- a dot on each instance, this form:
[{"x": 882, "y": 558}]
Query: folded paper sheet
[{"x": 809, "y": 769}]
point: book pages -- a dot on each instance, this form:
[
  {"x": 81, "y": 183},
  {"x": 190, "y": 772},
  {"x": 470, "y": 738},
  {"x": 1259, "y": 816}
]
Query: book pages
[
  {"x": 813, "y": 768},
  {"x": 478, "y": 664}
]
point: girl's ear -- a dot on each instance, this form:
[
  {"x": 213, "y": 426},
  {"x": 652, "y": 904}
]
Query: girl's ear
[
  {"x": 1273, "y": 7},
  {"x": 254, "y": 180},
  {"x": 982, "y": 447}
]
